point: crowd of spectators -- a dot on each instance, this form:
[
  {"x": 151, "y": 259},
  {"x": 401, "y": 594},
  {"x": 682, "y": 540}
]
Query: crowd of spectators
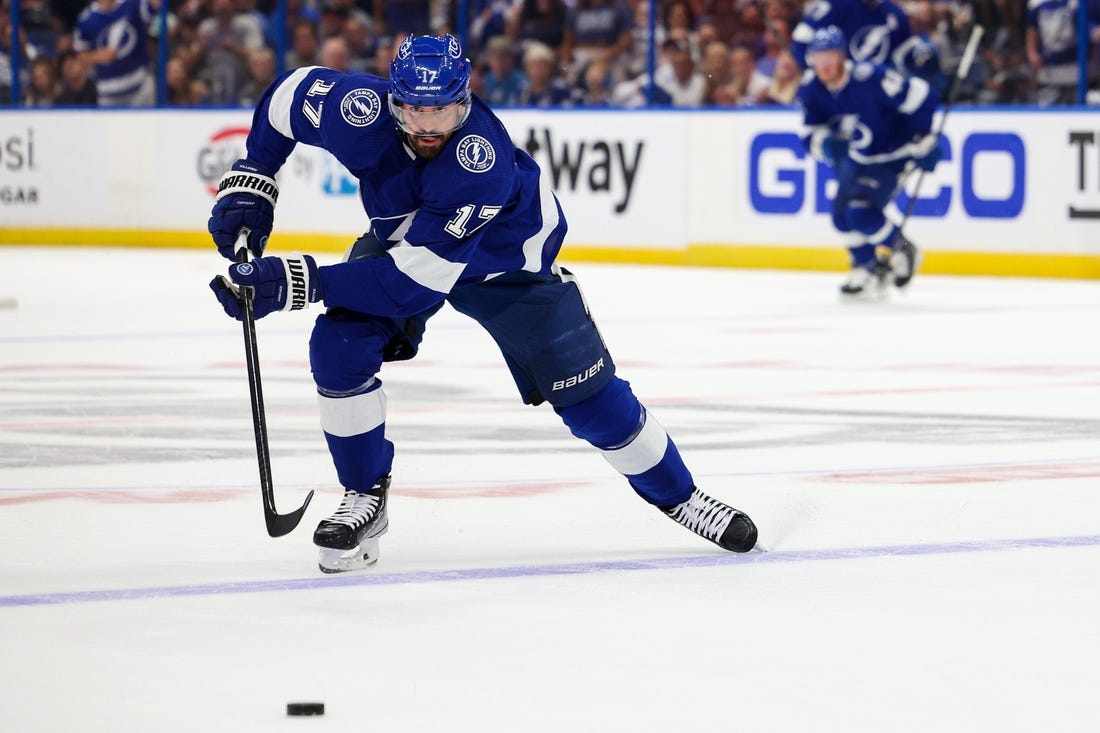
[{"x": 533, "y": 53}]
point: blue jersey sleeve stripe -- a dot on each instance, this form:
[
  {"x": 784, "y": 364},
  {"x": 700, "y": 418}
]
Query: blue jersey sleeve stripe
[
  {"x": 281, "y": 104},
  {"x": 425, "y": 267}
]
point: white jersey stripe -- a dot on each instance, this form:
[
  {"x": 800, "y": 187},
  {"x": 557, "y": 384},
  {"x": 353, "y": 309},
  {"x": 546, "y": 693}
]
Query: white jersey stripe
[
  {"x": 282, "y": 101},
  {"x": 918, "y": 92},
  {"x": 355, "y": 415},
  {"x": 533, "y": 247},
  {"x": 425, "y": 267},
  {"x": 641, "y": 454}
]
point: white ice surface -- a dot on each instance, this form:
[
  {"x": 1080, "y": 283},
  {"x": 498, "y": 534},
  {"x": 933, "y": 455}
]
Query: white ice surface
[{"x": 924, "y": 472}]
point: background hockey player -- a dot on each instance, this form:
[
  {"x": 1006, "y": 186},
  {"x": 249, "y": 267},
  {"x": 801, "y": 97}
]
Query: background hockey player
[
  {"x": 458, "y": 214},
  {"x": 875, "y": 29},
  {"x": 868, "y": 122}
]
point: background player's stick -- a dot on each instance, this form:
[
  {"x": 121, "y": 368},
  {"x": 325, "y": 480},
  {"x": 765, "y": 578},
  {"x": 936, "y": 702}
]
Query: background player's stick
[
  {"x": 277, "y": 524},
  {"x": 949, "y": 102}
]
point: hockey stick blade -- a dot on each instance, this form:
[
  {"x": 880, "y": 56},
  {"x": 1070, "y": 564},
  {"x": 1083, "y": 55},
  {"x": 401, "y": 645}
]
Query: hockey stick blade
[{"x": 277, "y": 524}]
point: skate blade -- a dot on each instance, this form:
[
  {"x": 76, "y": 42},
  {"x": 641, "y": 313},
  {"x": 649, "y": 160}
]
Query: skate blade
[{"x": 346, "y": 561}]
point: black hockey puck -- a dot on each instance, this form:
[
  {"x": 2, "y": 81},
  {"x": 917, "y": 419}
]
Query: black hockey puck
[{"x": 305, "y": 708}]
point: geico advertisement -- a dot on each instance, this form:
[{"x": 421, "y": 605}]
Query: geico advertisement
[{"x": 1026, "y": 181}]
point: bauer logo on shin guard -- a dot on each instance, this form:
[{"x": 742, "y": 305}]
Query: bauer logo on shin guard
[{"x": 576, "y": 379}]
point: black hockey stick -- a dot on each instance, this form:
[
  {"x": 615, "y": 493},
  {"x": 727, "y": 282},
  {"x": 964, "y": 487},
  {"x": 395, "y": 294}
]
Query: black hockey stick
[
  {"x": 949, "y": 102},
  {"x": 277, "y": 524}
]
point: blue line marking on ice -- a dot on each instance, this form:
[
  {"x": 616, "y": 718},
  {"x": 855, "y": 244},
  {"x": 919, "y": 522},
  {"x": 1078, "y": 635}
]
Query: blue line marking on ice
[{"x": 531, "y": 571}]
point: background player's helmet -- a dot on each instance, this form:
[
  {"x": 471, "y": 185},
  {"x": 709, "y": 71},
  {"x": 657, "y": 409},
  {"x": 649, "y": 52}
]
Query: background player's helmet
[
  {"x": 829, "y": 38},
  {"x": 429, "y": 71}
]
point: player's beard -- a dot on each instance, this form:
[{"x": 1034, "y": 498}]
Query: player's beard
[{"x": 428, "y": 151}]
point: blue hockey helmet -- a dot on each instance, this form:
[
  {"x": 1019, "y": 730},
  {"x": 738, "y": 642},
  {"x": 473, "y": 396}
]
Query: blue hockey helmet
[
  {"x": 829, "y": 38},
  {"x": 429, "y": 72}
]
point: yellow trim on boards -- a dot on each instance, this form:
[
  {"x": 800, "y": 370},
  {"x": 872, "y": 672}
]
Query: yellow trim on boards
[{"x": 697, "y": 255}]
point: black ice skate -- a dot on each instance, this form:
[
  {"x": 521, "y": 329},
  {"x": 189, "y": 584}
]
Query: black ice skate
[
  {"x": 349, "y": 538},
  {"x": 903, "y": 262},
  {"x": 711, "y": 519}
]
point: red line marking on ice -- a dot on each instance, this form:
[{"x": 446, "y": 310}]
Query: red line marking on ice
[
  {"x": 971, "y": 475},
  {"x": 128, "y": 496},
  {"x": 208, "y": 496}
]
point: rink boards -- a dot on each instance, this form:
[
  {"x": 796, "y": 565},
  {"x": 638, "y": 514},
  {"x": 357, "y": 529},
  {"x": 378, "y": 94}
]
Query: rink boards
[{"x": 1018, "y": 192}]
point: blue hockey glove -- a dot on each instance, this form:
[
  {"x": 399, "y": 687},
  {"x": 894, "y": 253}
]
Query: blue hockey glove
[
  {"x": 278, "y": 284},
  {"x": 835, "y": 149},
  {"x": 927, "y": 153},
  {"x": 246, "y": 200}
]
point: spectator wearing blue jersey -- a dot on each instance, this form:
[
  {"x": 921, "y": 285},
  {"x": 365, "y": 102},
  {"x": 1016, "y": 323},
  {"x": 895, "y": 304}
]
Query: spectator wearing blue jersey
[
  {"x": 868, "y": 122},
  {"x": 874, "y": 29},
  {"x": 1052, "y": 49},
  {"x": 114, "y": 37},
  {"x": 459, "y": 215}
]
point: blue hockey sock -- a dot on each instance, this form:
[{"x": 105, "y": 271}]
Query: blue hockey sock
[{"x": 632, "y": 441}]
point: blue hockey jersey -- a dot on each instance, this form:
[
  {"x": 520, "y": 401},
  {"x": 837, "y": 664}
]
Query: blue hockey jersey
[
  {"x": 431, "y": 214},
  {"x": 874, "y": 31},
  {"x": 125, "y": 28},
  {"x": 878, "y": 110},
  {"x": 1055, "y": 23}
]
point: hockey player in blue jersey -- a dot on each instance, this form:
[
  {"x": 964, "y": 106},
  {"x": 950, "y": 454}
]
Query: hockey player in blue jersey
[
  {"x": 875, "y": 29},
  {"x": 869, "y": 123},
  {"x": 458, "y": 215}
]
